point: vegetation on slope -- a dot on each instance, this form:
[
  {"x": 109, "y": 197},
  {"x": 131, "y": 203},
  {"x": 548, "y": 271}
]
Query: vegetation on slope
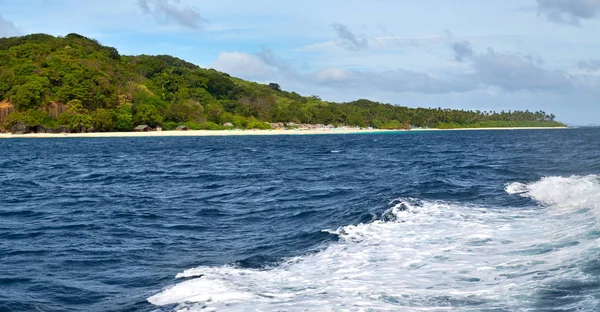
[{"x": 81, "y": 85}]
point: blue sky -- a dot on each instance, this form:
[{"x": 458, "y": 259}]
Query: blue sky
[{"x": 468, "y": 54}]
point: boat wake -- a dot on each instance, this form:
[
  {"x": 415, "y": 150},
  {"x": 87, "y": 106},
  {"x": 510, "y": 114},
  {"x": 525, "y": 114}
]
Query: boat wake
[{"x": 429, "y": 256}]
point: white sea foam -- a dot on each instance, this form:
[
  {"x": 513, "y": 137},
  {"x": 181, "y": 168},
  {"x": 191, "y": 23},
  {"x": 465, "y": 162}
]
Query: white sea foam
[
  {"x": 576, "y": 192},
  {"x": 422, "y": 256}
]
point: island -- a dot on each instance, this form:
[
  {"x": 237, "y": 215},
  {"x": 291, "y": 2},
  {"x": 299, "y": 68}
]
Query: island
[{"x": 74, "y": 84}]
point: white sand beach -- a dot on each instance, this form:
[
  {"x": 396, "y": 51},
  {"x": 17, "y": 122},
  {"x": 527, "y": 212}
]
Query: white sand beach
[{"x": 239, "y": 132}]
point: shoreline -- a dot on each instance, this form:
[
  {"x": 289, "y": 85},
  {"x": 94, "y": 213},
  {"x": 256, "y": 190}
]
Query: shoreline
[{"x": 196, "y": 133}]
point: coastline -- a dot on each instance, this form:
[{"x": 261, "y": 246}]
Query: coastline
[{"x": 194, "y": 133}]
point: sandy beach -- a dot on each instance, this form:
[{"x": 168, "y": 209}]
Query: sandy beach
[{"x": 238, "y": 132}]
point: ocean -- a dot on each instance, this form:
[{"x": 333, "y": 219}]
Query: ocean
[{"x": 410, "y": 221}]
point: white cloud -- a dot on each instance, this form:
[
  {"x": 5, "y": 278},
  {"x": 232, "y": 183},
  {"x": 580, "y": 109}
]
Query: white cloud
[
  {"x": 267, "y": 65},
  {"x": 349, "y": 40},
  {"x": 334, "y": 75},
  {"x": 245, "y": 65},
  {"x": 172, "y": 11},
  {"x": 8, "y": 28},
  {"x": 514, "y": 72},
  {"x": 590, "y": 64},
  {"x": 569, "y": 12},
  {"x": 377, "y": 43}
]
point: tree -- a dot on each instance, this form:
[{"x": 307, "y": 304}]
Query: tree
[
  {"x": 36, "y": 117},
  {"x": 239, "y": 121},
  {"x": 102, "y": 120},
  {"x": 218, "y": 84},
  {"x": 225, "y": 118},
  {"x": 274, "y": 86},
  {"x": 123, "y": 120},
  {"x": 253, "y": 123},
  {"x": 213, "y": 111},
  {"x": 31, "y": 94},
  {"x": 32, "y": 118},
  {"x": 146, "y": 114},
  {"x": 76, "y": 118},
  {"x": 7, "y": 80},
  {"x": 15, "y": 118},
  {"x": 188, "y": 110}
]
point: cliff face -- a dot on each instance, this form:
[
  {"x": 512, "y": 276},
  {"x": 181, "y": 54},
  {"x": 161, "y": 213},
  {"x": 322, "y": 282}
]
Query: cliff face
[
  {"x": 5, "y": 109},
  {"x": 54, "y": 109}
]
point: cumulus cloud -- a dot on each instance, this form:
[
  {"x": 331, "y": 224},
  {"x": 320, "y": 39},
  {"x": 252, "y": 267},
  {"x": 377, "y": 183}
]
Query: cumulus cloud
[
  {"x": 588, "y": 69},
  {"x": 462, "y": 49},
  {"x": 270, "y": 58},
  {"x": 590, "y": 65},
  {"x": 396, "y": 80},
  {"x": 8, "y": 28},
  {"x": 266, "y": 65},
  {"x": 509, "y": 71},
  {"x": 513, "y": 72},
  {"x": 569, "y": 12},
  {"x": 348, "y": 40},
  {"x": 401, "y": 80},
  {"x": 244, "y": 65},
  {"x": 166, "y": 11},
  {"x": 262, "y": 65},
  {"x": 334, "y": 75}
]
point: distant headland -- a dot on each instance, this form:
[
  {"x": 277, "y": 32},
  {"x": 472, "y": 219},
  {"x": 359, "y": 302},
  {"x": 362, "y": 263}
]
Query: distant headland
[{"x": 73, "y": 84}]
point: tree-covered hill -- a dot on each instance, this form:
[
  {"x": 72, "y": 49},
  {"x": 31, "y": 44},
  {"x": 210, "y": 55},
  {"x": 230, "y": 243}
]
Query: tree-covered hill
[{"x": 74, "y": 83}]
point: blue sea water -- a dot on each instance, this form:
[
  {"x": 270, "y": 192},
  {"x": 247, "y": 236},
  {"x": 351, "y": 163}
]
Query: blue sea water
[{"x": 408, "y": 221}]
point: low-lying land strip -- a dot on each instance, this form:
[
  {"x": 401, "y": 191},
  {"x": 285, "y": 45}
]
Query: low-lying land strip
[{"x": 239, "y": 132}]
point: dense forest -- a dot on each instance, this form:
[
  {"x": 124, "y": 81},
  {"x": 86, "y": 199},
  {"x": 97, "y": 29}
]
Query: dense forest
[{"x": 73, "y": 83}]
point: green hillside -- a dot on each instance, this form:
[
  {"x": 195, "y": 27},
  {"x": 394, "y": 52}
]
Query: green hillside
[{"x": 77, "y": 83}]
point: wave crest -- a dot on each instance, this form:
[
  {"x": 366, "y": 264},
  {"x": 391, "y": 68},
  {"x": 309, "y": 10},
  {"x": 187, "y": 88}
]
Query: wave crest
[{"x": 575, "y": 192}]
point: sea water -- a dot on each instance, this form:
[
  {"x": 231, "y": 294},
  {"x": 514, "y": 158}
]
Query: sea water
[{"x": 428, "y": 221}]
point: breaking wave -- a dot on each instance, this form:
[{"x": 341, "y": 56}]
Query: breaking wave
[
  {"x": 429, "y": 256},
  {"x": 575, "y": 192}
]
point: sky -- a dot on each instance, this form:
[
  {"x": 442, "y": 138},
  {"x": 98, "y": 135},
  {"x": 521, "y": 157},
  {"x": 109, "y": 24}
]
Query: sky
[{"x": 464, "y": 54}]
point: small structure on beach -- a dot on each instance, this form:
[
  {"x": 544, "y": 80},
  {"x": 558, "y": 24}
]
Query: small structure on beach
[
  {"x": 142, "y": 128},
  {"x": 182, "y": 128},
  {"x": 228, "y": 124}
]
